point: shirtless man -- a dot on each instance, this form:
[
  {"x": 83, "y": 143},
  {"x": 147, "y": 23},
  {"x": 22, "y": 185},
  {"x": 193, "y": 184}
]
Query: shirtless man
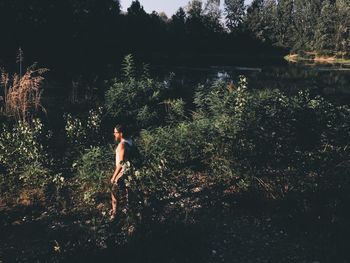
[{"x": 118, "y": 185}]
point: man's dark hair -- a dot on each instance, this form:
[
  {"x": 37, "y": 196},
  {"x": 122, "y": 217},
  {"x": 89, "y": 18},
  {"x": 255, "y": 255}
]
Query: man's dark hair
[{"x": 121, "y": 128}]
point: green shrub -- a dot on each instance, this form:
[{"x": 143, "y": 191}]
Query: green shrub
[
  {"x": 284, "y": 144},
  {"x": 95, "y": 169},
  {"x": 136, "y": 101},
  {"x": 84, "y": 132},
  {"x": 175, "y": 109},
  {"x": 23, "y": 157}
]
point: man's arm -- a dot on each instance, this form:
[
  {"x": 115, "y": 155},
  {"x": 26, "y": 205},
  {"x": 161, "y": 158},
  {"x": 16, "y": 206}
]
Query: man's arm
[{"x": 117, "y": 172}]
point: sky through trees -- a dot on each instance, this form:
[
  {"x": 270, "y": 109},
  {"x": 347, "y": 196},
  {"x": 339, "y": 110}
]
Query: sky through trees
[{"x": 167, "y": 6}]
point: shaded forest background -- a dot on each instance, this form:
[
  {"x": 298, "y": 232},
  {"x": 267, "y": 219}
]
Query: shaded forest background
[{"x": 74, "y": 37}]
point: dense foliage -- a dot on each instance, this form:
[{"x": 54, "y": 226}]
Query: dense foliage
[
  {"x": 24, "y": 160},
  {"x": 234, "y": 140},
  {"x": 286, "y": 144},
  {"x": 321, "y": 26},
  {"x": 94, "y": 167},
  {"x": 243, "y": 137},
  {"x": 135, "y": 100}
]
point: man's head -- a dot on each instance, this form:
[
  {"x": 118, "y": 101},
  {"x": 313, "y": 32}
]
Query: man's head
[{"x": 120, "y": 132}]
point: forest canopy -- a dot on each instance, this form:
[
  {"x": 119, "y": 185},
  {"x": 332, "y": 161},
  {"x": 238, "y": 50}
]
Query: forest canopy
[{"x": 78, "y": 36}]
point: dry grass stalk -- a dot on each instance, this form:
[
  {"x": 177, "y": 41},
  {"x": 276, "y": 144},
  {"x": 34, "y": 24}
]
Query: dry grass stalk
[{"x": 22, "y": 95}]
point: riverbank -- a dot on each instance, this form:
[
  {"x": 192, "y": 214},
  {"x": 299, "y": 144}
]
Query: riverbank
[
  {"x": 202, "y": 225},
  {"x": 314, "y": 58}
]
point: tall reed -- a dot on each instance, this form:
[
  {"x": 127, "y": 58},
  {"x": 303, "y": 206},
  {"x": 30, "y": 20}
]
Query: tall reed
[{"x": 22, "y": 94}]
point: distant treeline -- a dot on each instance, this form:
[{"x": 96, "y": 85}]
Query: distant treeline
[
  {"x": 318, "y": 25},
  {"x": 77, "y": 36}
]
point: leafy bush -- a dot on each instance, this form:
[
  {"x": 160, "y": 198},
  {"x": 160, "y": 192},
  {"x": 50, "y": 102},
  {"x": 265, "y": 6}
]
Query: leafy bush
[
  {"x": 95, "y": 169},
  {"x": 283, "y": 144},
  {"x": 23, "y": 158},
  {"x": 175, "y": 109},
  {"x": 82, "y": 133},
  {"x": 136, "y": 101}
]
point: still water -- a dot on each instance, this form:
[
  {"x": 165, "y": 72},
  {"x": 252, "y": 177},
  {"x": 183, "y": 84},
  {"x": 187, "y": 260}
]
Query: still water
[{"x": 331, "y": 81}]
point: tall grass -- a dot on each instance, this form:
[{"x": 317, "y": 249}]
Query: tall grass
[{"x": 22, "y": 94}]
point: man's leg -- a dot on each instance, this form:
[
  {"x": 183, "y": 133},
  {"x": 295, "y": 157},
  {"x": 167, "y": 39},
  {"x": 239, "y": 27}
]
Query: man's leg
[
  {"x": 126, "y": 200},
  {"x": 114, "y": 201}
]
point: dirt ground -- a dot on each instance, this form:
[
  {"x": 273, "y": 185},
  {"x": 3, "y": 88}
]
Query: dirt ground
[{"x": 199, "y": 225}]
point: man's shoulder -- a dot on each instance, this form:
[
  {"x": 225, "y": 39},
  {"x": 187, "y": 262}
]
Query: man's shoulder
[
  {"x": 124, "y": 144},
  {"x": 120, "y": 146}
]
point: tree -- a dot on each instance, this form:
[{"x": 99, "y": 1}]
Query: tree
[
  {"x": 177, "y": 23},
  {"x": 234, "y": 13},
  {"x": 194, "y": 24},
  {"x": 212, "y": 16},
  {"x": 212, "y": 9},
  {"x": 326, "y": 28},
  {"x": 179, "y": 16},
  {"x": 136, "y": 9},
  {"x": 253, "y": 19},
  {"x": 284, "y": 22},
  {"x": 163, "y": 17},
  {"x": 260, "y": 20},
  {"x": 195, "y": 9},
  {"x": 305, "y": 17},
  {"x": 342, "y": 37}
]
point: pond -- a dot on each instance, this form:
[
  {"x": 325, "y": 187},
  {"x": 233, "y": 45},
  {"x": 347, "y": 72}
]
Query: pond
[{"x": 331, "y": 81}]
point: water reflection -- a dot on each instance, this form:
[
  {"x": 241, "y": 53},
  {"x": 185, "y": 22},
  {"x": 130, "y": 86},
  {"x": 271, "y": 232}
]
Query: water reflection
[{"x": 332, "y": 82}]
